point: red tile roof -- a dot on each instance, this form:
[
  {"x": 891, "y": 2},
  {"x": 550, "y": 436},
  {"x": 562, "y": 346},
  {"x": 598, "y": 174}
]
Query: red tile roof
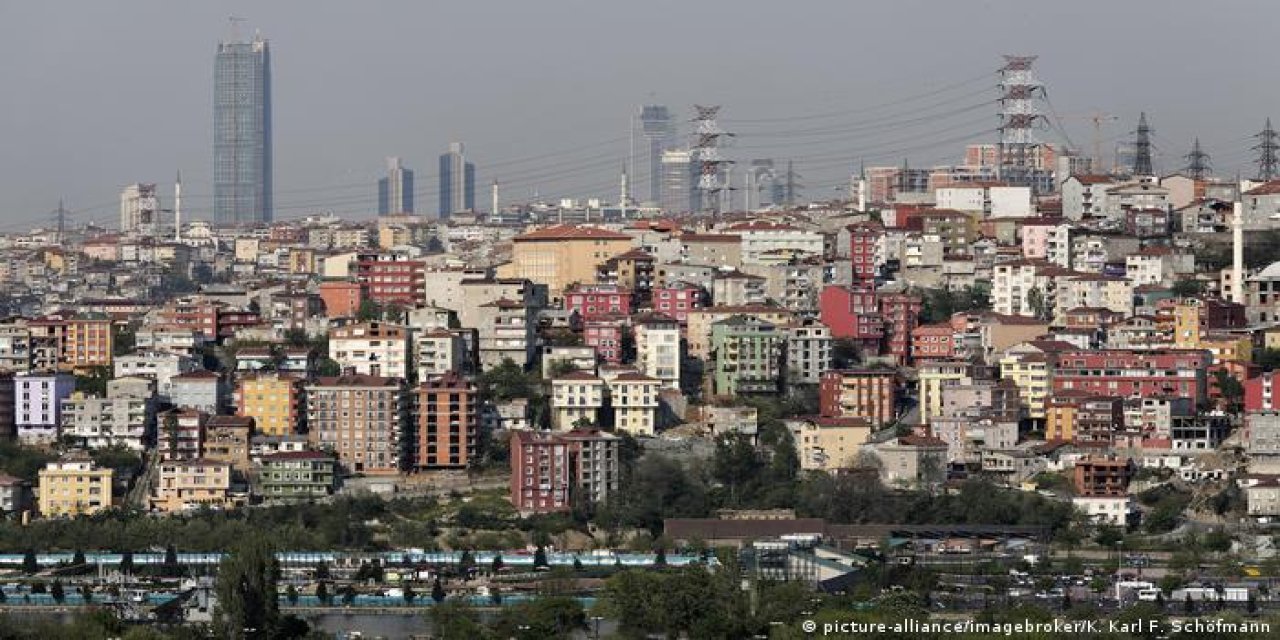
[{"x": 571, "y": 232}]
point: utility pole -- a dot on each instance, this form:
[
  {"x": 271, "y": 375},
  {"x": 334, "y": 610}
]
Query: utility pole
[
  {"x": 60, "y": 218},
  {"x": 1142, "y": 148}
]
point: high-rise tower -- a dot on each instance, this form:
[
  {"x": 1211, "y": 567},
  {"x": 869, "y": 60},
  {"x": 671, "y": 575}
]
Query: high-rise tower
[
  {"x": 660, "y": 132},
  {"x": 457, "y": 182},
  {"x": 242, "y": 133},
  {"x": 395, "y": 192},
  {"x": 139, "y": 208}
]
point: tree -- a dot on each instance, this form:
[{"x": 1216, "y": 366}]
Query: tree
[
  {"x": 348, "y": 595},
  {"x": 322, "y": 570},
  {"x": 1230, "y": 388},
  {"x": 30, "y": 565},
  {"x": 409, "y": 594},
  {"x": 126, "y": 562},
  {"x": 170, "y": 566},
  {"x": 1108, "y": 536},
  {"x": 455, "y": 619},
  {"x": 496, "y": 566},
  {"x": 1187, "y": 288},
  {"x": 540, "y": 558},
  {"x": 77, "y": 559},
  {"x": 56, "y": 592},
  {"x": 369, "y": 311},
  {"x": 577, "y": 564},
  {"x": 1038, "y": 304},
  {"x": 291, "y": 594},
  {"x": 246, "y": 590},
  {"x": 660, "y": 557},
  {"x": 1188, "y": 607},
  {"x": 322, "y": 592},
  {"x": 466, "y": 563},
  {"x": 437, "y": 591}
]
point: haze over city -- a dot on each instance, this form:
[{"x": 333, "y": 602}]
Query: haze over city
[{"x": 100, "y": 95}]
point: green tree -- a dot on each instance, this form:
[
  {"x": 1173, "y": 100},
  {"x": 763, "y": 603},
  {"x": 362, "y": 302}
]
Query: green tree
[
  {"x": 77, "y": 558},
  {"x": 126, "y": 562},
  {"x": 30, "y": 565},
  {"x": 56, "y": 592},
  {"x": 1231, "y": 389},
  {"x": 1038, "y": 303},
  {"x": 369, "y": 311},
  {"x": 409, "y": 594},
  {"x": 170, "y": 567},
  {"x": 455, "y": 619},
  {"x": 246, "y": 590},
  {"x": 322, "y": 592},
  {"x": 577, "y": 564},
  {"x": 496, "y": 565},
  {"x": 466, "y": 562},
  {"x": 437, "y": 591},
  {"x": 1187, "y": 288},
  {"x": 540, "y": 558}
]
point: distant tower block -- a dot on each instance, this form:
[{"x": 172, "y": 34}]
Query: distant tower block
[
  {"x": 1019, "y": 117},
  {"x": 659, "y": 130}
]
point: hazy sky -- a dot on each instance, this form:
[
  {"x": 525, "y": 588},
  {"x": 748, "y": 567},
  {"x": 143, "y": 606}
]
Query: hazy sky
[{"x": 97, "y": 94}]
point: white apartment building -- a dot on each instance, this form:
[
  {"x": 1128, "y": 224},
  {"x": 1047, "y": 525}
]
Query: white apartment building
[{"x": 371, "y": 348}]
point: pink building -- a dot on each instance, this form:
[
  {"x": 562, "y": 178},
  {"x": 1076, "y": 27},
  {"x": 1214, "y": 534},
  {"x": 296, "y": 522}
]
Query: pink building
[
  {"x": 1035, "y": 239},
  {"x": 597, "y": 300}
]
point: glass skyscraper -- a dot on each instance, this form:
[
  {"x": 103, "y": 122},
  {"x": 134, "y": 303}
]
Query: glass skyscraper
[
  {"x": 242, "y": 133},
  {"x": 457, "y": 182},
  {"x": 660, "y": 132},
  {"x": 395, "y": 192}
]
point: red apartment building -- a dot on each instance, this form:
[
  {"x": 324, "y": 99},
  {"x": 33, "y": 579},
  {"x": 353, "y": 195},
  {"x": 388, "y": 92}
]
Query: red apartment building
[
  {"x": 606, "y": 335},
  {"x": 392, "y": 280},
  {"x": 1261, "y": 393},
  {"x": 677, "y": 300},
  {"x": 552, "y": 471},
  {"x": 341, "y": 298},
  {"x": 933, "y": 342},
  {"x": 859, "y": 393},
  {"x": 863, "y": 239},
  {"x": 1128, "y": 373},
  {"x": 591, "y": 301},
  {"x": 901, "y": 313},
  {"x": 448, "y": 423},
  {"x": 852, "y": 312}
]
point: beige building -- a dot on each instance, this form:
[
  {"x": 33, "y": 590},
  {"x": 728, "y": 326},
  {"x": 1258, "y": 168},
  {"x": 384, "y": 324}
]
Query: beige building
[
  {"x": 562, "y": 255},
  {"x": 361, "y": 419},
  {"x": 912, "y": 461},
  {"x": 183, "y": 485},
  {"x": 74, "y": 486},
  {"x": 828, "y": 444},
  {"x": 576, "y": 396},
  {"x": 934, "y": 377},
  {"x": 634, "y": 398}
]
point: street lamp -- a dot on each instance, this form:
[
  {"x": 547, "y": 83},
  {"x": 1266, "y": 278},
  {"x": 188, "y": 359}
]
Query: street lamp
[{"x": 596, "y": 620}]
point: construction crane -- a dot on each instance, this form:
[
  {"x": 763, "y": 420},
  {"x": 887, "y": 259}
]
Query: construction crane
[{"x": 1097, "y": 118}]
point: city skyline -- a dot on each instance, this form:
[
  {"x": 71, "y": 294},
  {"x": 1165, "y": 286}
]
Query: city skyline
[{"x": 329, "y": 138}]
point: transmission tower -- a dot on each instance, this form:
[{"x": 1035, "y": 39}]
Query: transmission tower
[
  {"x": 60, "y": 216},
  {"x": 1267, "y": 148},
  {"x": 1197, "y": 162},
  {"x": 1142, "y": 148},
  {"x": 1019, "y": 116},
  {"x": 706, "y": 152}
]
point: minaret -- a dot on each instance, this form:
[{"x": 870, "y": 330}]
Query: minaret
[
  {"x": 177, "y": 209},
  {"x": 1237, "y": 253},
  {"x": 493, "y": 212},
  {"x": 623, "y": 196}
]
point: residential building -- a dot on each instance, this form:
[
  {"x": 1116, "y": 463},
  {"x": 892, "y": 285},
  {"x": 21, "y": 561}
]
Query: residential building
[
  {"x": 700, "y": 322},
  {"x": 659, "y": 348},
  {"x": 859, "y": 393},
  {"x": 731, "y": 288},
  {"x": 125, "y": 418},
  {"x": 372, "y": 348},
  {"x": 506, "y": 332},
  {"x": 560, "y": 256},
  {"x": 15, "y": 495},
  {"x": 1103, "y": 476},
  {"x": 297, "y": 475},
  {"x": 228, "y": 439},
  {"x": 593, "y": 301},
  {"x": 74, "y": 486},
  {"x": 1179, "y": 372},
  {"x": 554, "y": 471},
  {"x": 853, "y": 312},
  {"x": 448, "y": 423},
  {"x": 634, "y": 400},
  {"x": 864, "y": 251},
  {"x": 188, "y": 484},
  {"x": 200, "y": 390},
  {"x": 272, "y": 400},
  {"x": 677, "y": 299},
  {"x": 439, "y": 351},
  {"x": 934, "y": 377},
  {"x": 576, "y": 399},
  {"x": 808, "y": 352},
  {"x": 341, "y": 298},
  {"x": 912, "y": 461},
  {"x": 37, "y": 405},
  {"x": 1261, "y": 437},
  {"x": 362, "y": 419},
  {"x": 747, "y": 352},
  {"x": 242, "y": 159},
  {"x": 181, "y": 434},
  {"x": 157, "y": 365},
  {"x": 391, "y": 278},
  {"x": 828, "y": 444}
]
